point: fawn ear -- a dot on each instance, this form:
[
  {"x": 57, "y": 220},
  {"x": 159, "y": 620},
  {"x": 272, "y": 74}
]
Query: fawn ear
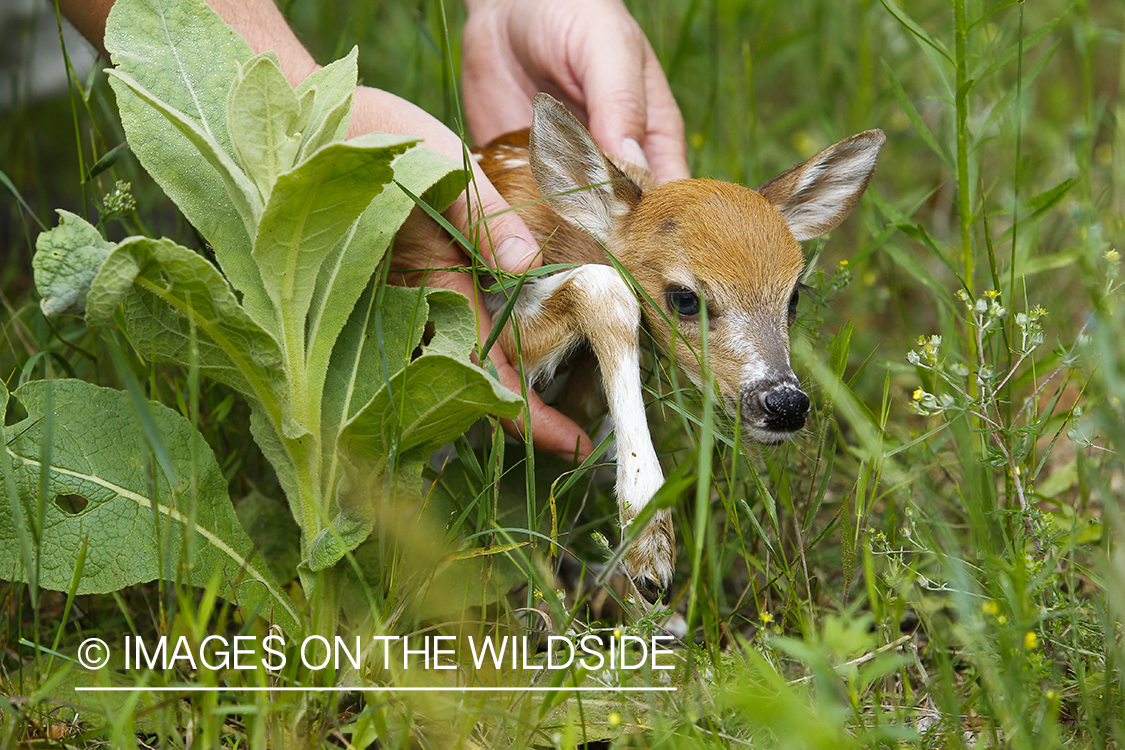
[
  {"x": 573, "y": 175},
  {"x": 814, "y": 197}
]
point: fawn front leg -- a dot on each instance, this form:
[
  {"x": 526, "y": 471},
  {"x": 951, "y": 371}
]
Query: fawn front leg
[{"x": 594, "y": 303}]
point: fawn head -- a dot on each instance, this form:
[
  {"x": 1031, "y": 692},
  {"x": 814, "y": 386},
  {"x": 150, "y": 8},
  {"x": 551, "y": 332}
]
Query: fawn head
[{"x": 703, "y": 250}]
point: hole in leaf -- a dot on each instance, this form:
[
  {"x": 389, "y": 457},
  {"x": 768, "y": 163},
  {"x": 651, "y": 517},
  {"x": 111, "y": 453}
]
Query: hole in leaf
[
  {"x": 427, "y": 337},
  {"x": 71, "y": 504}
]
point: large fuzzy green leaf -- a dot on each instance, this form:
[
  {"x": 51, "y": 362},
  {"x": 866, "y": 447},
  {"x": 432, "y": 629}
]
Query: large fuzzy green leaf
[
  {"x": 240, "y": 190},
  {"x": 333, "y": 89},
  {"x": 67, "y": 259},
  {"x": 107, "y": 496},
  {"x": 182, "y": 53},
  {"x": 175, "y": 300},
  {"x": 264, "y": 117},
  {"x": 378, "y": 341},
  {"x": 347, "y": 268},
  {"x": 455, "y": 329},
  {"x": 430, "y": 402},
  {"x": 435, "y": 398},
  {"x": 381, "y": 336},
  {"x": 310, "y": 209}
]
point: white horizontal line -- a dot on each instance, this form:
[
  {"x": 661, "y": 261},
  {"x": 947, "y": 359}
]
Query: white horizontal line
[{"x": 446, "y": 689}]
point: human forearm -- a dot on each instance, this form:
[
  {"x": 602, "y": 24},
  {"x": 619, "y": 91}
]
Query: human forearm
[
  {"x": 88, "y": 16},
  {"x": 258, "y": 21}
]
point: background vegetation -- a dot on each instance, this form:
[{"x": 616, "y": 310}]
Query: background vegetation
[{"x": 935, "y": 562}]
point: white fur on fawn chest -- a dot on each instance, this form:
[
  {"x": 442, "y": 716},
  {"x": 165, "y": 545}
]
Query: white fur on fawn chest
[
  {"x": 529, "y": 307},
  {"x": 684, "y": 244}
]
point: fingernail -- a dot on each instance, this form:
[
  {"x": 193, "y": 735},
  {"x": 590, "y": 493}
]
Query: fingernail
[
  {"x": 581, "y": 452},
  {"x": 574, "y": 458},
  {"x": 631, "y": 150},
  {"x": 514, "y": 254}
]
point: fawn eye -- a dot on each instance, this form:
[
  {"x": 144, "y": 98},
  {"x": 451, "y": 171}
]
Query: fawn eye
[
  {"x": 683, "y": 301},
  {"x": 792, "y": 303}
]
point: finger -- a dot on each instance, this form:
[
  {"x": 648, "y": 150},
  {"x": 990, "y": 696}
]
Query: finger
[
  {"x": 552, "y": 431},
  {"x": 486, "y": 220},
  {"x": 613, "y": 85},
  {"x": 504, "y": 241},
  {"x": 664, "y": 142},
  {"x": 496, "y": 97}
]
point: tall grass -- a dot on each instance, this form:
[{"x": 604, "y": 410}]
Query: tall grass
[{"x": 935, "y": 562}]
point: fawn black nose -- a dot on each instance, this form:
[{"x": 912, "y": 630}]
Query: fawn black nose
[
  {"x": 786, "y": 408},
  {"x": 773, "y": 409}
]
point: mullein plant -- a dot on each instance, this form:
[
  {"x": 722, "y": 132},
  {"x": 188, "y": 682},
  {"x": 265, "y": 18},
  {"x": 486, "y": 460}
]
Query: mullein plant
[{"x": 347, "y": 401}]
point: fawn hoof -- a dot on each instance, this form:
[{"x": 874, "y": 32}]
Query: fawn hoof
[
  {"x": 652, "y": 559},
  {"x": 654, "y": 592}
]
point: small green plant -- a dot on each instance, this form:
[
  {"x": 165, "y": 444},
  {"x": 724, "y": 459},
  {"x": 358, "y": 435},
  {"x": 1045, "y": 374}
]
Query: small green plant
[{"x": 342, "y": 404}]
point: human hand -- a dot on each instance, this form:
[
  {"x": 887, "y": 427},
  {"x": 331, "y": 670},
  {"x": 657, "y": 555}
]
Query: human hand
[
  {"x": 589, "y": 54},
  {"x": 422, "y": 244}
]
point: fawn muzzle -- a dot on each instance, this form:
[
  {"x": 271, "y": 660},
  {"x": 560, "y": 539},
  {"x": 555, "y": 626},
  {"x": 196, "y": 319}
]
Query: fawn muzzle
[{"x": 774, "y": 409}]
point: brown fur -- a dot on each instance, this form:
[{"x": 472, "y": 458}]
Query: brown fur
[{"x": 731, "y": 247}]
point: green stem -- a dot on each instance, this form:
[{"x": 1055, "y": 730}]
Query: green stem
[
  {"x": 311, "y": 500},
  {"x": 324, "y": 596},
  {"x": 703, "y": 482},
  {"x": 964, "y": 191},
  {"x": 1011, "y": 297},
  {"x": 304, "y": 410},
  {"x": 964, "y": 197},
  {"x": 71, "y": 83},
  {"x": 974, "y": 437},
  {"x": 1084, "y": 152}
]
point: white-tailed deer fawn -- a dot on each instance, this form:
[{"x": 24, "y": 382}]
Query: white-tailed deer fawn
[{"x": 688, "y": 244}]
